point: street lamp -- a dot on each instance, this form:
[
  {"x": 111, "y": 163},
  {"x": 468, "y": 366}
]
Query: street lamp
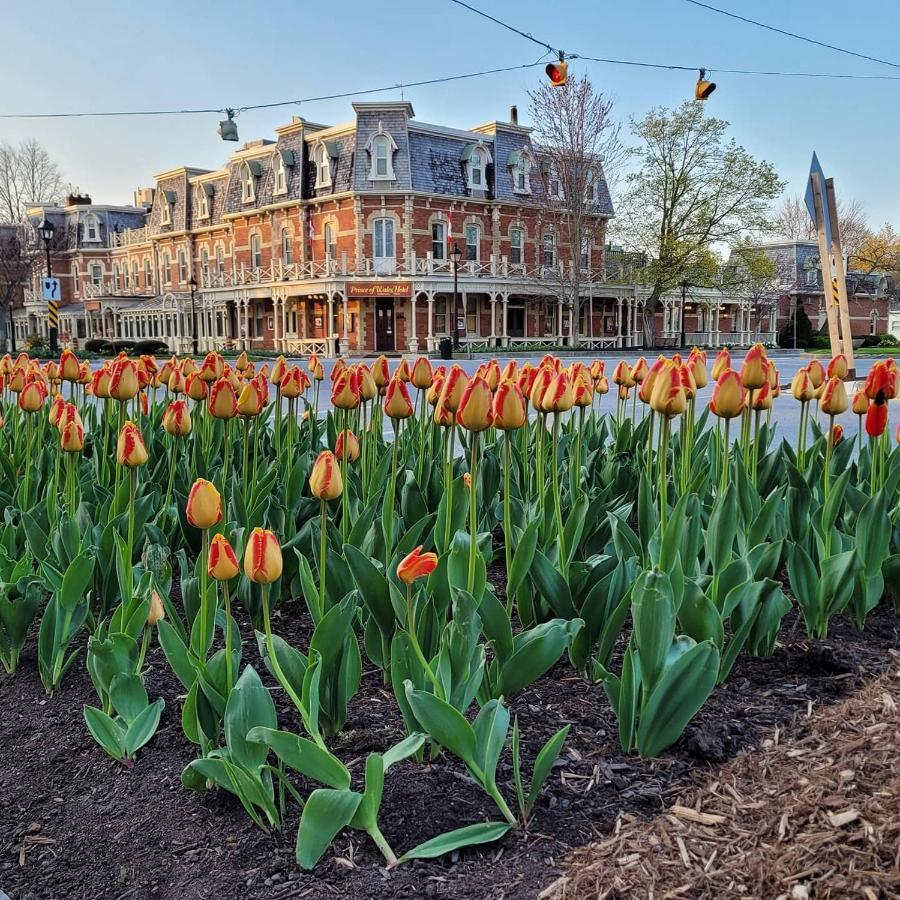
[
  {"x": 455, "y": 254},
  {"x": 46, "y": 229},
  {"x": 193, "y": 285}
]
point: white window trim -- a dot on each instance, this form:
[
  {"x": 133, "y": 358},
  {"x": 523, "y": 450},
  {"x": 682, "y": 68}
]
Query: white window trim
[
  {"x": 590, "y": 185},
  {"x": 322, "y": 161},
  {"x": 381, "y": 135},
  {"x": 203, "y": 212},
  {"x": 255, "y": 236},
  {"x": 486, "y": 159},
  {"x": 521, "y": 248},
  {"x": 280, "y": 170},
  {"x": 91, "y": 219},
  {"x": 524, "y": 167},
  {"x": 248, "y": 184},
  {"x": 477, "y": 228},
  {"x": 165, "y": 210}
]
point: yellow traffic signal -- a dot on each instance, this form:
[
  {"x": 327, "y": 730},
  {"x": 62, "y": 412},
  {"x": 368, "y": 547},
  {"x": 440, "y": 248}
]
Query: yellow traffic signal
[
  {"x": 704, "y": 88},
  {"x": 556, "y": 72}
]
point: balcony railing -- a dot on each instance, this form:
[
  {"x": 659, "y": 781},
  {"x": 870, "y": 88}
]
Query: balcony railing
[
  {"x": 130, "y": 236},
  {"x": 107, "y": 287}
]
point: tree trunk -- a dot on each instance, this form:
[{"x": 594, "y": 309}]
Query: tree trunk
[{"x": 650, "y": 309}]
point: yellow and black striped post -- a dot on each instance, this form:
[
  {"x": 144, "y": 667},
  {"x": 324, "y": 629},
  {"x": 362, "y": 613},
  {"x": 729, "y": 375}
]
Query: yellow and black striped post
[
  {"x": 835, "y": 292},
  {"x": 53, "y": 322}
]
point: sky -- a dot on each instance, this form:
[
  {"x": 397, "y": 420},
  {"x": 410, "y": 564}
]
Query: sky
[{"x": 101, "y": 55}]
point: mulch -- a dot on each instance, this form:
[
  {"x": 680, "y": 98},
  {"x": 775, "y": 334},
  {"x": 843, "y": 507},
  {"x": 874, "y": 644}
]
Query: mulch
[
  {"x": 75, "y": 824},
  {"x": 813, "y": 813}
]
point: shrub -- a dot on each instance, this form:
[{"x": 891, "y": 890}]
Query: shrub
[
  {"x": 121, "y": 344},
  {"x": 97, "y": 345},
  {"x": 881, "y": 340},
  {"x": 804, "y": 330},
  {"x": 152, "y": 345}
]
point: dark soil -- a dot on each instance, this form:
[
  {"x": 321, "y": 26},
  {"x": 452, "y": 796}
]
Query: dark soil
[{"x": 75, "y": 824}]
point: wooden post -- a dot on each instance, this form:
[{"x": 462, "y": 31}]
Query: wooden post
[
  {"x": 825, "y": 265},
  {"x": 842, "y": 300}
]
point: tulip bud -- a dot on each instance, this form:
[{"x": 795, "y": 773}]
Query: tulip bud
[
  {"x": 622, "y": 375},
  {"x": 639, "y": 370},
  {"x": 762, "y": 399},
  {"x": 558, "y": 396},
  {"x": 836, "y": 434},
  {"x": 802, "y": 387},
  {"x": 442, "y": 416},
  {"x": 130, "y": 448},
  {"x": 876, "y": 419},
  {"x": 834, "y": 398},
  {"x": 368, "y": 390},
  {"x": 71, "y": 439},
  {"x": 195, "y": 387},
  {"x": 204, "y": 505},
  {"x": 57, "y": 406},
  {"x": 416, "y": 565},
  {"x": 212, "y": 367},
  {"x": 509, "y": 407},
  {"x": 325, "y": 478},
  {"x": 837, "y": 367},
  {"x": 176, "y": 420},
  {"x": 278, "y": 369},
  {"x": 583, "y": 393},
  {"x": 157, "y": 611},
  {"x": 250, "y": 402},
  {"x": 437, "y": 386},
  {"x": 348, "y": 443},
  {"x": 32, "y": 396},
  {"x": 601, "y": 385},
  {"x": 69, "y": 366},
  {"x": 454, "y": 388},
  {"x": 754, "y": 372},
  {"x": 422, "y": 376},
  {"x": 860, "y": 403},
  {"x": 318, "y": 373},
  {"x": 312, "y": 363},
  {"x": 85, "y": 373},
  {"x": 397, "y": 404},
  {"x": 474, "y": 412},
  {"x": 650, "y": 379},
  {"x": 816, "y": 373},
  {"x": 124, "y": 382},
  {"x": 381, "y": 372},
  {"x": 668, "y": 397},
  {"x": 345, "y": 390},
  {"x": 542, "y": 379},
  {"x": 697, "y": 362},
  {"x": 467, "y": 480},
  {"x": 222, "y": 564},
  {"x": 721, "y": 363},
  {"x": 262, "y": 559},
  {"x": 402, "y": 372},
  {"x": 222, "y": 400},
  {"x": 294, "y": 383},
  {"x": 728, "y": 395}
]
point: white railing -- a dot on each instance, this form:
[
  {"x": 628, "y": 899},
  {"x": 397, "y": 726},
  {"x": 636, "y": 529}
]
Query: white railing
[
  {"x": 307, "y": 346},
  {"x": 598, "y": 343},
  {"x": 130, "y": 236}
]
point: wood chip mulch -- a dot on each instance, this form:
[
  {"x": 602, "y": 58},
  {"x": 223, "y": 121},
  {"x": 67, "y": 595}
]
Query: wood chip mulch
[{"x": 813, "y": 813}]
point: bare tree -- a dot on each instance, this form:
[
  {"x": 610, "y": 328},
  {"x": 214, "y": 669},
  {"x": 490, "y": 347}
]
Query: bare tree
[
  {"x": 28, "y": 175},
  {"x": 19, "y": 261},
  {"x": 792, "y": 223},
  {"x": 580, "y": 153},
  {"x": 692, "y": 188}
]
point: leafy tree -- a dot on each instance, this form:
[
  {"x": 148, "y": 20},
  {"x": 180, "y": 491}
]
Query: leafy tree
[
  {"x": 879, "y": 252},
  {"x": 792, "y": 223},
  {"x": 692, "y": 188}
]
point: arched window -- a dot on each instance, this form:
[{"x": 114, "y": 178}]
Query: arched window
[
  {"x": 255, "y": 251},
  {"x": 182, "y": 267},
  {"x": 167, "y": 267},
  {"x": 248, "y": 184},
  {"x": 522, "y": 174},
  {"x": 203, "y": 203},
  {"x": 96, "y": 272},
  {"x": 287, "y": 248},
  {"x": 91, "y": 228},
  {"x": 873, "y": 322},
  {"x": 476, "y": 158},
  {"x": 323, "y": 166},
  {"x": 590, "y": 186},
  {"x": 220, "y": 258},
  {"x": 548, "y": 255},
  {"x": 381, "y": 148},
  {"x": 280, "y": 175},
  {"x": 476, "y": 169}
]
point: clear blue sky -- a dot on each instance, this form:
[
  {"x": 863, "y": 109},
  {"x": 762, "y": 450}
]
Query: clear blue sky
[{"x": 100, "y": 54}]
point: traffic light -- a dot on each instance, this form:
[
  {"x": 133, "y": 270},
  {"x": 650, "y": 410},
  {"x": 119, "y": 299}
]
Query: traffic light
[
  {"x": 704, "y": 88},
  {"x": 228, "y": 127},
  {"x": 556, "y": 72}
]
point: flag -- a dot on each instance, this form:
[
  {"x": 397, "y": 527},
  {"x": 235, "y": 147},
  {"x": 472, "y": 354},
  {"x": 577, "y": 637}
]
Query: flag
[
  {"x": 311, "y": 231},
  {"x": 449, "y": 229}
]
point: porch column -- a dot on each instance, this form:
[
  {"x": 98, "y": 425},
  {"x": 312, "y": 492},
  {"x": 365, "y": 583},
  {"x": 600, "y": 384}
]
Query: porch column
[
  {"x": 284, "y": 322},
  {"x": 619, "y": 322},
  {"x": 345, "y": 315},
  {"x": 246, "y": 323},
  {"x": 430, "y": 298},
  {"x": 493, "y": 319},
  {"x": 559, "y": 321},
  {"x": 411, "y": 339},
  {"x": 329, "y": 325},
  {"x": 505, "y": 328}
]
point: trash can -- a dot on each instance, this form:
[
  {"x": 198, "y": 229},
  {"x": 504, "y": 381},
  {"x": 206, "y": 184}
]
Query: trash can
[{"x": 445, "y": 348}]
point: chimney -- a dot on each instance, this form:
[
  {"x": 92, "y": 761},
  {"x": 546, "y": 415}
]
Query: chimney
[
  {"x": 76, "y": 200},
  {"x": 513, "y": 115}
]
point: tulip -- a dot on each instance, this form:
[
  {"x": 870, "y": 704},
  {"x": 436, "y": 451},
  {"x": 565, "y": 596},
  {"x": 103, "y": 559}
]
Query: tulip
[
  {"x": 582, "y": 393},
  {"x": 443, "y": 417},
  {"x": 860, "y": 403},
  {"x": 195, "y": 387},
  {"x": 204, "y": 505},
  {"x": 294, "y": 383},
  {"x": 474, "y": 411},
  {"x": 345, "y": 390},
  {"x": 347, "y": 445},
  {"x": 834, "y": 398},
  {"x": 100, "y": 383},
  {"x": 325, "y": 478},
  {"x": 816, "y": 372},
  {"x": 177, "y": 382},
  {"x": 876, "y": 419},
  {"x": 32, "y": 397},
  {"x": 403, "y": 371},
  {"x": 721, "y": 363},
  {"x": 222, "y": 400},
  {"x": 416, "y": 565},
  {"x": 312, "y": 362},
  {"x": 157, "y": 611},
  {"x": 422, "y": 375},
  {"x": 381, "y": 372},
  {"x": 762, "y": 399},
  {"x": 837, "y": 367},
  {"x": 802, "y": 387},
  {"x": 558, "y": 395},
  {"x": 668, "y": 397},
  {"x": 836, "y": 434},
  {"x": 57, "y": 406},
  {"x": 397, "y": 404},
  {"x": 262, "y": 559},
  {"x": 72, "y": 437},
  {"x": 124, "y": 383},
  {"x": 728, "y": 396},
  {"x": 697, "y": 362},
  {"x": 454, "y": 388},
  {"x": 753, "y": 371},
  {"x": 509, "y": 412},
  {"x": 251, "y": 401},
  {"x": 368, "y": 390},
  {"x": 622, "y": 375},
  {"x": 69, "y": 366},
  {"x": 222, "y": 564},
  {"x": 639, "y": 370},
  {"x": 318, "y": 373},
  {"x": 601, "y": 385},
  {"x": 212, "y": 367},
  {"x": 85, "y": 373}
]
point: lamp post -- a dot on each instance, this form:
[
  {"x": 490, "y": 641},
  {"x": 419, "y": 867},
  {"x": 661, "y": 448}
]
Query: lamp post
[
  {"x": 685, "y": 284},
  {"x": 456, "y": 253},
  {"x": 193, "y": 285},
  {"x": 46, "y": 229}
]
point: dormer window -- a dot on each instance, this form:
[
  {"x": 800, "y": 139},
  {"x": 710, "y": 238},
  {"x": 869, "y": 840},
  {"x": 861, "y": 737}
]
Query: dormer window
[
  {"x": 284, "y": 160},
  {"x": 206, "y": 191},
  {"x": 166, "y": 204},
  {"x": 250, "y": 171},
  {"x": 590, "y": 186},
  {"x": 477, "y": 158},
  {"x": 554, "y": 185},
  {"x": 381, "y": 148},
  {"x": 323, "y": 166},
  {"x": 91, "y": 228},
  {"x": 520, "y": 164}
]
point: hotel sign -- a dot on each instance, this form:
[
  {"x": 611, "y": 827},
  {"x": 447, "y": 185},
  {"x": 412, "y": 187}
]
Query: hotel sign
[{"x": 379, "y": 289}]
